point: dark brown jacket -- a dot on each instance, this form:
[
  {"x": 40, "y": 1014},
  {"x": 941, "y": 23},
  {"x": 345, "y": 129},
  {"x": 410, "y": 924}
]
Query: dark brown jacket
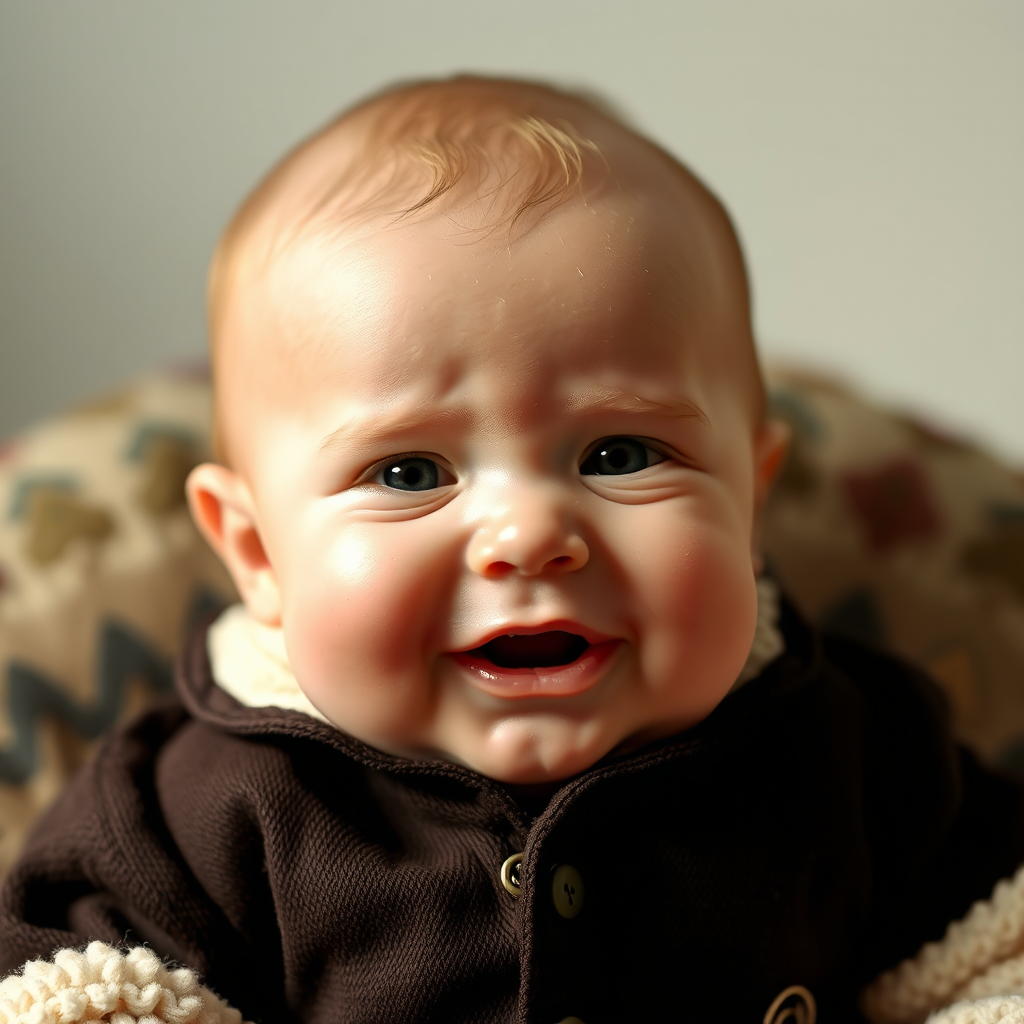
[{"x": 817, "y": 827}]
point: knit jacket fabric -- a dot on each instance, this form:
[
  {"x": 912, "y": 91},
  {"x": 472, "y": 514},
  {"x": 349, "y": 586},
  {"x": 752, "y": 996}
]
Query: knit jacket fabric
[{"x": 814, "y": 830}]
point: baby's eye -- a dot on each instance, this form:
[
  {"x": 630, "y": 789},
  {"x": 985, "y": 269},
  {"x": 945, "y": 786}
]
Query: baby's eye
[
  {"x": 413, "y": 473},
  {"x": 616, "y": 456}
]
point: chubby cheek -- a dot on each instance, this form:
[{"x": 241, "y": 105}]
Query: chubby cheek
[
  {"x": 701, "y": 608},
  {"x": 358, "y": 616}
]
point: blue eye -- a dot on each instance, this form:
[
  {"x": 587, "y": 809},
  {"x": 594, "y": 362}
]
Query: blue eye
[
  {"x": 414, "y": 473},
  {"x": 617, "y": 456}
]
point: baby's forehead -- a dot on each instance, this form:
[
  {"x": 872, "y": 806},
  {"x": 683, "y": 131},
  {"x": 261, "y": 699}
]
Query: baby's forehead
[
  {"x": 417, "y": 308},
  {"x": 644, "y": 246},
  {"x": 615, "y": 245}
]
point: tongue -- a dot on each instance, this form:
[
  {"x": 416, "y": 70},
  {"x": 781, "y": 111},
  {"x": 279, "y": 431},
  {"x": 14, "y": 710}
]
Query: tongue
[{"x": 541, "y": 650}]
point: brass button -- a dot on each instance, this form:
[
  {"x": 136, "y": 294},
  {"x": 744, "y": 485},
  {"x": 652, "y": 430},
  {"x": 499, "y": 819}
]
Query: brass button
[
  {"x": 512, "y": 874},
  {"x": 794, "y": 1005},
  {"x": 567, "y": 890},
  {"x": 570, "y": 1020}
]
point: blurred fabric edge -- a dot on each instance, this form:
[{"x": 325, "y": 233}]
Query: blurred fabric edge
[{"x": 881, "y": 527}]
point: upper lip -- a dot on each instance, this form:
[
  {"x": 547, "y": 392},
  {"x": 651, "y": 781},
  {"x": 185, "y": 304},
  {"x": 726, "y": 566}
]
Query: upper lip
[{"x": 592, "y": 636}]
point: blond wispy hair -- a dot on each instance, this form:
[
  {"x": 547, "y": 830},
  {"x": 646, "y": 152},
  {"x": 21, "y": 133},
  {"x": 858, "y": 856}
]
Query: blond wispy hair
[{"x": 512, "y": 144}]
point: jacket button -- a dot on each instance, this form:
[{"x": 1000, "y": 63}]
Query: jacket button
[
  {"x": 793, "y": 1005},
  {"x": 567, "y": 891},
  {"x": 512, "y": 874}
]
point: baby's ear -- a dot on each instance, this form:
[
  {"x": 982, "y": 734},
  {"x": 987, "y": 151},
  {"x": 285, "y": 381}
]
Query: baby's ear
[
  {"x": 223, "y": 509},
  {"x": 770, "y": 444}
]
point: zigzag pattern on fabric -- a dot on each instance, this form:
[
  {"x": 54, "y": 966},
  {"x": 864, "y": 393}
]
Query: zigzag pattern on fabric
[{"x": 122, "y": 655}]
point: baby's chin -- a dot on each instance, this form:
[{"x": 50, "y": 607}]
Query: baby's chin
[{"x": 531, "y": 750}]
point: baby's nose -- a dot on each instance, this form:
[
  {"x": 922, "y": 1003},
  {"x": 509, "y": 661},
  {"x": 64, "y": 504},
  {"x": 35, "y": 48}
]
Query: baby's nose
[{"x": 534, "y": 543}]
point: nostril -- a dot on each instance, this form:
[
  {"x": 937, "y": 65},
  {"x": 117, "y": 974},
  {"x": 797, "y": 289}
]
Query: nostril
[
  {"x": 561, "y": 560},
  {"x": 499, "y": 568}
]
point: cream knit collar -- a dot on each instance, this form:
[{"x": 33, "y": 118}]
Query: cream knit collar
[{"x": 250, "y": 662}]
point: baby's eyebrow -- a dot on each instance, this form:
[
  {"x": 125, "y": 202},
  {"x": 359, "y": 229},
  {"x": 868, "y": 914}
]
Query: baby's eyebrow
[
  {"x": 376, "y": 424},
  {"x": 615, "y": 399}
]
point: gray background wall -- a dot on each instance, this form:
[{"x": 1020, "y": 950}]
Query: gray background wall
[{"x": 872, "y": 152}]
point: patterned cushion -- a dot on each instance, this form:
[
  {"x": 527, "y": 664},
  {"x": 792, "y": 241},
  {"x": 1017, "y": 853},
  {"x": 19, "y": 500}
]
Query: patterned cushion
[
  {"x": 880, "y": 527},
  {"x": 887, "y": 529},
  {"x": 100, "y": 571}
]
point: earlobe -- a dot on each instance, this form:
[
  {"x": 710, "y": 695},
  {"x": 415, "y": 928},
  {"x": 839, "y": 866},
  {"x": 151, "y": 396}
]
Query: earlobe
[{"x": 225, "y": 513}]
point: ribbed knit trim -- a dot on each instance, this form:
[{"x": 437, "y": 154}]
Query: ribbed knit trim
[
  {"x": 106, "y": 984},
  {"x": 249, "y": 660},
  {"x": 980, "y": 956},
  {"x": 768, "y": 643}
]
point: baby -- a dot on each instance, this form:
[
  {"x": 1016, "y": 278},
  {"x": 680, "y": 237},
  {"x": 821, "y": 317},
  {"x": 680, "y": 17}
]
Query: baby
[{"x": 507, "y": 728}]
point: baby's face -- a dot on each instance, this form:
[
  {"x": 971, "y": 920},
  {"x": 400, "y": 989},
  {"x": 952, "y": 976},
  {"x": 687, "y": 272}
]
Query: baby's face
[{"x": 506, "y": 493}]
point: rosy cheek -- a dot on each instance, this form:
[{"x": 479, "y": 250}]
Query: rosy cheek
[
  {"x": 359, "y": 608},
  {"x": 703, "y": 607}
]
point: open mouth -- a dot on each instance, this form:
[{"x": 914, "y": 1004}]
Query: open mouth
[
  {"x": 538, "y": 650},
  {"x": 552, "y": 663}
]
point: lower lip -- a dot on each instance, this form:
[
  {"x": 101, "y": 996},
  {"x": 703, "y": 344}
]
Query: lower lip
[{"x": 554, "y": 681}]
